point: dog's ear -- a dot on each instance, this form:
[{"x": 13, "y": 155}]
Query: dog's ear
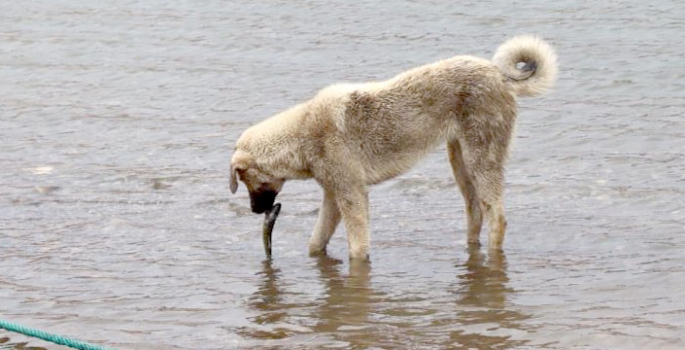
[
  {"x": 234, "y": 177},
  {"x": 240, "y": 162}
]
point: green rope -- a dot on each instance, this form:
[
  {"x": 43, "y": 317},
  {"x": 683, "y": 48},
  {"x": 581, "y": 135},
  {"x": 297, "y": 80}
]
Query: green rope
[{"x": 53, "y": 338}]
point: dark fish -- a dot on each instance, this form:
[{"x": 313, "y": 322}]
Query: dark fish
[{"x": 269, "y": 220}]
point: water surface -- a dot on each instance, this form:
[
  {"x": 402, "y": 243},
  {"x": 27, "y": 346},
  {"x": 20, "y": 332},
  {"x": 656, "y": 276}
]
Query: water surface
[{"x": 118, "y": 120}]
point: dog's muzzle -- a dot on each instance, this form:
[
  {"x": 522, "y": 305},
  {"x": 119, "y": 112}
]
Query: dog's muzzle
[{"x": 262, "y": 200}]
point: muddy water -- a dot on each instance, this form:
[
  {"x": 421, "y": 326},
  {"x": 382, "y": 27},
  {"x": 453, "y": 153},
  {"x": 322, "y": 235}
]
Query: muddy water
[{"x": 117, "y": 121}]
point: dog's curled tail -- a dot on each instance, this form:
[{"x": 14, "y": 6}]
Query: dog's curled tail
[{"x": 529, "y": 63}]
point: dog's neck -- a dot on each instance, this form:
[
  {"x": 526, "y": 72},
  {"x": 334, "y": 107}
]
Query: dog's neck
[
  {"x": 287, "y": 163},
  {"x": 277, "y": 145}
]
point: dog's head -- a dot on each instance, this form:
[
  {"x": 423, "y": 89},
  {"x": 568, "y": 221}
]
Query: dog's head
[{"x": 262, "y": 185}]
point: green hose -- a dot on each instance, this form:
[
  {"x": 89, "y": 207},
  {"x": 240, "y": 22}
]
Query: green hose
[{"x": 53, "y": 338}]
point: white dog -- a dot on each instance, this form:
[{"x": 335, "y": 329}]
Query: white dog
[{"x": 351, "y": 136}]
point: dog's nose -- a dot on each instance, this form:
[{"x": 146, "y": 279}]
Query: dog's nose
[{"x": 261, "y": 201}]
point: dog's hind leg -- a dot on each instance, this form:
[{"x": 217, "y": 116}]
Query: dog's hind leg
[
  {"x": 494, "y": 210},
  {"x": 329, "y": 218},
  {"x": 474, "y": 216},
  {"x": 487, "y": 170}
]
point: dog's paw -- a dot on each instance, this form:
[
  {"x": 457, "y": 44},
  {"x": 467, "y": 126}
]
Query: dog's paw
[{"x": 317, "y": 251}]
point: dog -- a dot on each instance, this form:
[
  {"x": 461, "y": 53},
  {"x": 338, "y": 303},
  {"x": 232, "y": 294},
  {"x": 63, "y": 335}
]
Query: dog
[{"x": 351, "y": 136}]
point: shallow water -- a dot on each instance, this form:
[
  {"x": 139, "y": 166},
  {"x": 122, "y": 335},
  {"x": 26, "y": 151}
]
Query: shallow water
[{"x": 118, "y": 120}]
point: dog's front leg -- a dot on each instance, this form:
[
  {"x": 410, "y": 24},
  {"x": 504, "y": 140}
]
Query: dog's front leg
[
  {"x": 354, "y": 207},
  {"x": 329, "y": 217}
]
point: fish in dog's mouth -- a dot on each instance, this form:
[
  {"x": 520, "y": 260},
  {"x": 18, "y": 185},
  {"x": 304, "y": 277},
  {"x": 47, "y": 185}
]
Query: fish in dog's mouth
[
  {"x": 262, "y": 199},
  {"x": 269, "y": 222}
]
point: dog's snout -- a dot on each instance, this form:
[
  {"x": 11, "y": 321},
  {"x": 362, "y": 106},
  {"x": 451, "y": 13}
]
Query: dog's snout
[{"x": 262, "y": 200}]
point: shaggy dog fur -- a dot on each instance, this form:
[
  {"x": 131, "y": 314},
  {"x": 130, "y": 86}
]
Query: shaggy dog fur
[{"x": 351, "y": 136}]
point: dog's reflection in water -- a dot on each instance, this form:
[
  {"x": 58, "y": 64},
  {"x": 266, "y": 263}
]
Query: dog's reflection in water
[
  {"x": 482, "y": 294},
  {"x": 483, "y": 283},
  {"x": 343, "y": 305},
  {"x": 344, "y": 309},
  {"x": 347, "y": 297}
]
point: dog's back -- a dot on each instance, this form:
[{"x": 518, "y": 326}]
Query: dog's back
[{"x": 391, "y": 125}]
